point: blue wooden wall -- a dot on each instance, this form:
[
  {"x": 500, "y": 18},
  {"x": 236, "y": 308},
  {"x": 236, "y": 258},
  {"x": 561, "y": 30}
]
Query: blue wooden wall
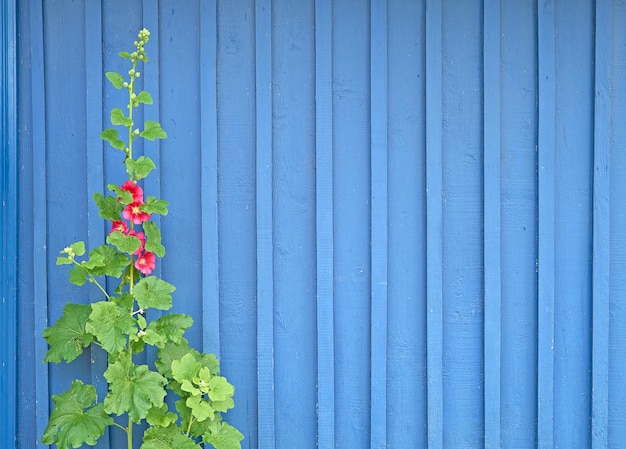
[{"x": 400, "y": 224}]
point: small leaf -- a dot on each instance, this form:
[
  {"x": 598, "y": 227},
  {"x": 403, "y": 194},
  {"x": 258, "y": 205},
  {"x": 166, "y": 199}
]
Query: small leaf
[
  {"x": 186, "y": 368},
  {"x": 124, "y": 54},
  {"x": 167, "y": 438},
  {"x": 133, "y": 389},
  {"x": 118, "y": 118},
  {"x": 153, "y": 238},
  {"x": 125, "y": 197},
  {"x": 170, "y": 327},
  {"x": 77, "y": 418},
  {"x": 112, "y": 136},
  {"x": 116, "y": 79},
  {"x": 64, "y": 261},
  {"x": 113, "y": 262},
  {"x": 139, "y": 168},
  {"x": 154, "y": 206},
  {"x": 200, "y": 408},
  {"x": 220, "y": 390},
  {"x": 110, "y": 207},
  {"x": 78, "y": 248},
  {"x": 223, "y": 436},
  {"x": 67, "y": 337},
  {"x": 111, "y": 324},
  {"x": 154, "y": 293},
  {"x": 78, "y": 275},
  {"x": 144, "y": 97},
  {"x": 161, "y": 416},
  {"x": 152, "y": 130},
  {"x": 124, "y": 243}
]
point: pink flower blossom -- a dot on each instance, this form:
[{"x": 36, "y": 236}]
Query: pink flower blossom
[
  {"x": 135, "y": 191},
  {"x": 119, "y": 225},
  {"x": 134, "y": 213},
  {"x": 146, "y": 263}
]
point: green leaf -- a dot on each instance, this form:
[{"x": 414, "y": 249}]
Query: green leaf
[
  {"x": 152, "y": 130},
  {"x": 200, "y": 408},
  {"x": 161, "y": 416},
  {"x": 124, "y": 54},
  {"x": 133, "y": 389},
  {"x": 223, "y": 436},
  {"x": 167, "y": 438},
  {"x": 111, "y": 324},
  {"x": 78, "y": 248},
  {"x": 154, "y": 293},
  {"x": 64, "y": 261},
  {"x": 116, "y": 79},
  {"x": 170, "y": 327},
  {"x": 113, "y": 262},
  {"x": 67, "y": 337},
  {"x": 144, "y": 97},
  {"x": 139, "y": 168},
  {"x": 154, "y": 206},
  {"x": 153, "y": 238},
  {"x": 78, "y": 275},
  {"x": 118, "y": 118},
  {"x": 125, "y": 197},
  {"x": 77, "y": 418},
  {"x": 124, "y": 243},
  {"x": 112, "y": 136},
  {"x": 186, "y": 368},
  {"x": 221, "y": 393},
  {"x": 172, "y": 351},
  {"x": 110, "y": 207}
]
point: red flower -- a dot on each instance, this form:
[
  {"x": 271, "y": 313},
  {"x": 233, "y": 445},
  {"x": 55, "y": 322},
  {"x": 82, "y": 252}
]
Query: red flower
[
  {"x": 134, "y": 213},
  {"x": 146, "y": 263},
  {"x": 119, "y": 225},
  {"x": 135, "y": 191},
  {"x": 142, "y": 237}
]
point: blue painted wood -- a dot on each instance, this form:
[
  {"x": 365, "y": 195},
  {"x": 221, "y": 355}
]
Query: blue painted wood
[
  {"x": 379, "y": 222},
  {"x": 324, "y": 225},
  {"x": 208, "y": 184},
  {"x": 546, "y": 232},
  {"x": 573, "y": 224},
  {"x": 434, "y": 223},
  {"x": 264, "y": 224},
  {"x": 601, "y": 228},
  {"x": 8, "y": 223},
  {"x": 492, "y": 176},
  {"x": 387, "y": 201},
  {"x": 518, "y": 165}
]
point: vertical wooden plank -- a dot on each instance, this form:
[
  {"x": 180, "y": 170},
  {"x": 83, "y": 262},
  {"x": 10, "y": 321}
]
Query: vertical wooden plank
[
  {"x": 293, "y": 142},
  {"x": 208, "y": 185},
  {"x": 434, "y": 223},
  {"x": 601, "y": 226},
  {"x": 264, "y": 222},
  {"x": 237, "y": 209},
  {"x": 546, "y": 186},
  {"x": 406, "y": 271},
  {"x": 518, "y": 215},
  {"x": 8, "y": 223},
  {"x": 379, "y": 220},
  {"x": 324, "y": 223},
  {"x": 39, "y": 234},
  {"x": 492, "y": 225},
  {"x": 96, "y": 227}
]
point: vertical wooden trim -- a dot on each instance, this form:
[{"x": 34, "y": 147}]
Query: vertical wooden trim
[
  {"x": 546, "y": 250},
  {"x": 434, "y": 222},
  {"x": 601, "y": 226},
  {"x": 492, "y": 228},
  {"x": 379, "y": 212},
  {"x": 8, "y": 223},
  {"x": 264, "y": 217},
  {"x": 324, "y": 223},
  {"x": 96, "y": 228},
  {"x": 40, "y": 215},
  {"x": 208, "y": 187}
]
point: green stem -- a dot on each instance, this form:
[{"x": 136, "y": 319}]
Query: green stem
[
  {"x": 129, "y": 433},
  {"x": 189, "y": 426}
]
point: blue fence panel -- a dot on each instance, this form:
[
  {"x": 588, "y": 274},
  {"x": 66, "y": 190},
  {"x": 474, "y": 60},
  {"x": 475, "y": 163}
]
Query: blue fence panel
[{"x": 398, "y": 224}]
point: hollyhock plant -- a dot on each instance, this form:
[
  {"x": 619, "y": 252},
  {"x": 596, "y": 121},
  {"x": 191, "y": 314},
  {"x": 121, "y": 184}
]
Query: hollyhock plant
[{"x": 179, "y": 397}]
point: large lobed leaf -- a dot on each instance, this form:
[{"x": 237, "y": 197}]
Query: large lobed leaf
[
  {"x": 67, "y": 337},
  {"x": 154, "y": 293},
  {"x": 167, "y": 438},
  {"x": 111, "y": 324},
  {"x": 77, "y": 418}
]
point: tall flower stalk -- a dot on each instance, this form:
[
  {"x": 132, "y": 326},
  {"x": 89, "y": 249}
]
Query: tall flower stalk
[{"x": 118, "y": 325}]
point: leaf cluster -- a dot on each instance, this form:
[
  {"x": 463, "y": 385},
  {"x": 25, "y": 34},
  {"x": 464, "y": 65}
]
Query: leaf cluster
[{"x": 118, "y": 323}]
